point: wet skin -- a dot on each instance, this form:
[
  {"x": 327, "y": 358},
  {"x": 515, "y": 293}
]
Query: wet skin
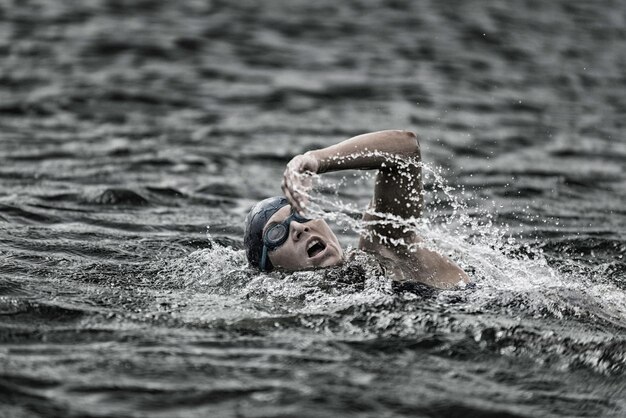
[
  {"x": 398, "y": 191},
  {"x": 309, "y": 245}
]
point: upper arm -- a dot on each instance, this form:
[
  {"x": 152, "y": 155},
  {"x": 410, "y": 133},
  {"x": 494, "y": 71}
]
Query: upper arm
[{"x": 397, "y": 192}]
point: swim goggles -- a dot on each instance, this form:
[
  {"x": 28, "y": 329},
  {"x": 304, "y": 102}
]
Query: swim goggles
[{"x": 276, "y": 235}]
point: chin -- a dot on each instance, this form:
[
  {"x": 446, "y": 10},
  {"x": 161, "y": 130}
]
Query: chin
[
  {"x": 333, "y": 259},
  {"x": 331, "y": 262}
]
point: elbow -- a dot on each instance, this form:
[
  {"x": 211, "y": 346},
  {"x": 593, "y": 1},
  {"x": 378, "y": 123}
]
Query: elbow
[
  {"x": 404, "y": 134},
  {"x": 412, "y": 143},
  {"x": 409, "y": 134}
]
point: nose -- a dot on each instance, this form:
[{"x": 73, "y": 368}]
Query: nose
[{"x": 297, "y": 229}]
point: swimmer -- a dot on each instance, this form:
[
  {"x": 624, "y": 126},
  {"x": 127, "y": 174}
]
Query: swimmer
[{"x": 278, "y": 235}]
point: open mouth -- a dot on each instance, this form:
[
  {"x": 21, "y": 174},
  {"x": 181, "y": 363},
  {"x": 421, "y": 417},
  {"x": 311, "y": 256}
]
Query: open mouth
[{"x": 315, "y": 247}]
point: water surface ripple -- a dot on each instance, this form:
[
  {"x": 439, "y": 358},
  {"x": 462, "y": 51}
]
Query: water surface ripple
[{"x": 134, "y": 137}]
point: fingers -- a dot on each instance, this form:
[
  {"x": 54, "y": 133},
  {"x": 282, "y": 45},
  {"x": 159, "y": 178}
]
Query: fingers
[
  {"x": 293, "y": 194},
  {"x": 286, "y": 187},
  {"x": 295, "y": 186},
  {"x": 292, "y": 201},
  {"x": 297, "y": 181}
]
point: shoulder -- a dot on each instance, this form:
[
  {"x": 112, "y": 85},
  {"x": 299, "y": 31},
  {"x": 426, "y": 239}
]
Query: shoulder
[
  {"x": 420, "y": 265},
  {"x": 364, "y": 258},
  {"x": 386, "y": 264}
]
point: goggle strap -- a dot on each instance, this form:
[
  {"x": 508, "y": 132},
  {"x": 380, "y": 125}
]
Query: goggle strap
[{"x": 263, "y": 258}]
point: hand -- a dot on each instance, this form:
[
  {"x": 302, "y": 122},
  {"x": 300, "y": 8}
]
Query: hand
[{"x": 297, "y": 181}]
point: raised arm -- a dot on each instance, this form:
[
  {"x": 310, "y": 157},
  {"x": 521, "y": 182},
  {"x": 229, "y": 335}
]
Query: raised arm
[
  {"x": 398, "y": 193},
  {"x": 394, "y": 153}
]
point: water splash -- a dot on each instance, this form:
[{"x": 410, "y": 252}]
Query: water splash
[
  {"x": 511, "y": 270},
  {"x": 517, "y": 308},
  {"x": 513, "y": 278}
]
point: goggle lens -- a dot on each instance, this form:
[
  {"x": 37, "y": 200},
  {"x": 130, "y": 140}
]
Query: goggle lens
[{"x": 276, "y": 234}]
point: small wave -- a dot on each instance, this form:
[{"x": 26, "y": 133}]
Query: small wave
[
  {"x": 22, "y": 215},
  {"x": 118, "y": 196}
]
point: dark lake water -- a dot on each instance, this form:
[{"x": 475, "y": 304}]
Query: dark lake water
[{"x": 135, "y": 136}]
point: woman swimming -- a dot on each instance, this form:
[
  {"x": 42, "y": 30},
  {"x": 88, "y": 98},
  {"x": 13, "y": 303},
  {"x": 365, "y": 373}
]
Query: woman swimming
[{"x": 278, "y": 235}]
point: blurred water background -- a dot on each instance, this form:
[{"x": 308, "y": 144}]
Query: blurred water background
[{"x": 135, "y": 136}]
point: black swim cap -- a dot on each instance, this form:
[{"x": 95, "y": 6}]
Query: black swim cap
[{"x": 255, "y": 221}]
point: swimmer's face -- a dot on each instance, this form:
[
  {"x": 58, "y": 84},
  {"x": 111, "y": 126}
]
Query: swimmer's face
[{"x": 309, "y": 245}]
